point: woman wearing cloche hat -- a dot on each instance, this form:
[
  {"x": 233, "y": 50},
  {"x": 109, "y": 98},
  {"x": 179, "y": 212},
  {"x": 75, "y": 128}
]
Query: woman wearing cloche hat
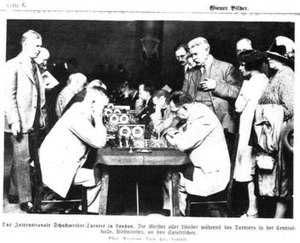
[
  {"x": 283, "y": 50},
  {"x": 274, "y": 112}
]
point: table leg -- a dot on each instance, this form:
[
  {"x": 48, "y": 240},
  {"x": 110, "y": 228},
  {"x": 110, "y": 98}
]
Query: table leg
[
  {"x": 175, "y": 193},
  {"x": 104, "y": 191}
]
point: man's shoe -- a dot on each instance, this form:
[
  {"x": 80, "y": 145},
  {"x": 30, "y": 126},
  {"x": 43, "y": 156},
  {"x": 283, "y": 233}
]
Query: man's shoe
[
  {"x": 48, "y": 207},
  {"x": 27, "y": 207},
  {"x": 246, "y": 215},
  {"x": 13, "y": 199}
]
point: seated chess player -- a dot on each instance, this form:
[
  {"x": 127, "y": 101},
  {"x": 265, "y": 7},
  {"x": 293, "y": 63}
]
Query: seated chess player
[
  {"x": 128, "y": 95},
  {"x": 144, "y": 104},
  {"x": 202, "y": 138},
  {"x": 144, "y": 107},
  {"x": 65, "y": 148},
  {"x": 162, "y": 118}
]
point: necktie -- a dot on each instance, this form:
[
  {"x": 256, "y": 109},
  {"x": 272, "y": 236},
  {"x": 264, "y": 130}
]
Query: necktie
[
  {"x": 36, "y": 81},
  {"x": 201, "y": 75},
  {"x": 201, "y": 95},
  {"x": 34, "y": 73},
  {"x": 203, "y": 72}
]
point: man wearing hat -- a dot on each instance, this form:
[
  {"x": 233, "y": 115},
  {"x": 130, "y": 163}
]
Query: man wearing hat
[{"x": 213, "y": 83}]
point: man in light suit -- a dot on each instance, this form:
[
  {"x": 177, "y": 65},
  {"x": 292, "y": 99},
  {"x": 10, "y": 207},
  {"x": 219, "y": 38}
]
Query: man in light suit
[
  {"x": 203, "y": 139},
  {"x": 65, "y": 149},
  {"x": 24, "y": 115},
  {"x": 212, "y": 82}
]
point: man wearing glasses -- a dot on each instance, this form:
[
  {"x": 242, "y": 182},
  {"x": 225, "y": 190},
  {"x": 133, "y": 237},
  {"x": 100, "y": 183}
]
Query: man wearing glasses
[{"x": 203, "y": 138}]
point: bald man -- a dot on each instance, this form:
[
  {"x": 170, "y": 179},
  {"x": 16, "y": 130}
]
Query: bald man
[
  {"x": 42, "y": 59},
  {"x": 243, "y": 45},
  {"x": 75, "y": 84}
]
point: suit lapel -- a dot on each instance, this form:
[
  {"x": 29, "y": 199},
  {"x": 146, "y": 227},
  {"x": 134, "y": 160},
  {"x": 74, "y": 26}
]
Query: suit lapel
[
  {"x": 212, "y": 67},
  {"x": 29, "y": 74},
  {"x": 26, "y": 69},
  {"x": 41, "y": 87}
]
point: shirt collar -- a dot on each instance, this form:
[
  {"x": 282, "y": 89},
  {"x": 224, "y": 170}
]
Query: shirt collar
[
  {"x": 186, "y": 67},
  {"x": 25, "y": 59},
  {"x": 208, "y": 61}
]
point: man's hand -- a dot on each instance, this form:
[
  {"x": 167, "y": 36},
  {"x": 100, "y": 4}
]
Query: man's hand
[
  {"x": 160, "y": 104},
  {"x": 208, "y": 84},
  {"x": 170, "y": 132},
  {"x": 139, "y": 102},
  {"x": 138, "y": 106},
  {"x": 126, "y": 94},
  {"x": 98, "y": 106},
  {"x": 16, "y": 128},
  {"x": 170, "y": 136}
]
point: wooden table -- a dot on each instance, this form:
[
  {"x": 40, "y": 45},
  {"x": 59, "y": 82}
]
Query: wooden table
[{"x": 169, "y": 158}]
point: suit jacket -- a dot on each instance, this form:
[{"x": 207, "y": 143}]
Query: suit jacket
[
  {"x": 222, "y": 97},
  {"x": 22, "y": 94},
  {"x": 174, "y": 77},
  {"x": 76, "y": 98},
  {"x": 130, "y": 100},
  {"x": 65, "y": 148},
  {"x": 202, "y": 137},
  {"x": 148, "y": 109}
]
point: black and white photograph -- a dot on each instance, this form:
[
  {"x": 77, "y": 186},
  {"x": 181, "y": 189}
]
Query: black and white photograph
[{"x": 147, "y": 126}]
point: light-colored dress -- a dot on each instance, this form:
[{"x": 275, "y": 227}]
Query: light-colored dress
[{"x": 246, "y": 104}]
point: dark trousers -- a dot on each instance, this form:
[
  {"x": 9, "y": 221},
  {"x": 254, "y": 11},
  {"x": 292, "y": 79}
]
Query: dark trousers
[{"x": 24, "y": 151}]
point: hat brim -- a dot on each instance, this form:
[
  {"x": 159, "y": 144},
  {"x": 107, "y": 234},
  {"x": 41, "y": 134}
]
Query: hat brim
[{"x": 278, "y": 57}]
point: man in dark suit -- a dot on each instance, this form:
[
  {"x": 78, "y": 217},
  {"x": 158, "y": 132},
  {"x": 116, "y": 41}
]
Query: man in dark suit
[
  {"x": 128, "y": 95},
  {"x": 175, "y": 75},
  {"x": 213, "y": 83},
  {"x": 24, "y": 115},
  {"x": 181, "y": 56},
  {"x": 144, "y": 106}
]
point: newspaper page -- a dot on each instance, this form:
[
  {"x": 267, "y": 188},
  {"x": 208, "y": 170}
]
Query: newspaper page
[{"x": 111, "y": 36}]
